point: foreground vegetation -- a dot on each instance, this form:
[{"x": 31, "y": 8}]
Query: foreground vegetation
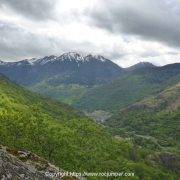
[{"x": 65, "y": 137}]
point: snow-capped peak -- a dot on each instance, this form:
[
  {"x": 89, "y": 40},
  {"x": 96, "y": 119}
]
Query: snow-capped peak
[
  {"x": 80, "y": 58},
  {"x": 32, "y": 61},
  {"x": 3, "y": 62},
  {"x": 44, "y": 60},
  {"x": 101, "y": 58},
  {"x": 96, "y": 57},
  {"x": 72, "y": 56}
]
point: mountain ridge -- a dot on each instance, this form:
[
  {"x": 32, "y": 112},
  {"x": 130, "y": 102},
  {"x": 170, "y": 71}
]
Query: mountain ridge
[
  {"x": 65, "y": 56},
  {"x": 67, "y": 68},
  {"x": 142, "y": 64},
  {"x": 90, "y": 80},
  {"x": 130, "y": 88}
]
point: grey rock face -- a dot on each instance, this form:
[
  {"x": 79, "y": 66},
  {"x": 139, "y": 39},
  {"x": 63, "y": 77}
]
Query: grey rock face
[
  {"x": 22, "y": 165},
  {"x": 12, "y": 168}
]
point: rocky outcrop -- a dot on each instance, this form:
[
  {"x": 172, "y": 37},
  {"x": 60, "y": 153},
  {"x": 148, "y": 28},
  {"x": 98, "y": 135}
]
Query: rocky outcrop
[
  {"x": 24, "y": 165},
  {"x": 168, "y": 160}
]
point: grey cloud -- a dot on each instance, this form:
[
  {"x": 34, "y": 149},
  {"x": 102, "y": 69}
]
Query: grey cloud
[
  {"x": 115, "y": 54},
  {"x": 35, "y": 9},
  {"x": 150, "y": 53},
  {"x": 153, "y": 20},
  {"x": 16, "y": 43},
  {"x": 173, "y": 53}
]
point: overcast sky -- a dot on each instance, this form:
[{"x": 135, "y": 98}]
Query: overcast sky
[{"x": 125, "y": 31}]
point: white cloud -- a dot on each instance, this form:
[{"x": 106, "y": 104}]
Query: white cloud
[{"x": 67, "y": 27}]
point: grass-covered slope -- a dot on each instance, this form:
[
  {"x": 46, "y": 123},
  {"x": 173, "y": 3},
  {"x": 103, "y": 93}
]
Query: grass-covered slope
[
  {"x": 71, "y": 141},
  {"x": 130, "y": 88},
  {"x": 157, "y": 116},
  {"x": 67, "y": 93}
]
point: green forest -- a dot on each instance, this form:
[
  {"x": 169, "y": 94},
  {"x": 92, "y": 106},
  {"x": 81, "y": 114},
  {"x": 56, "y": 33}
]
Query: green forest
[{"x": 67, "y": 138}]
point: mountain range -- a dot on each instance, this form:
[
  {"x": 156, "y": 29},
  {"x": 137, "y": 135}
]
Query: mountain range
[
  {"x": 89, "y": 82},
  {"x": 69, "y": 68},
  {"x": 136, "y": 111}
]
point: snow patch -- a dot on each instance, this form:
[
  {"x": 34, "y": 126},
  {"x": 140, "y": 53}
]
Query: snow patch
[
  {"x": 71, "y": 56},
  {"x": 3, "y": 63}
]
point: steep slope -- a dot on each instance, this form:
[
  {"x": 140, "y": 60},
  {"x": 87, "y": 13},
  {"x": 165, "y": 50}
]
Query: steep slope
[
  {"x": 69, "y": 140},
  {"x": 65, "y": 78},
  {"x": 69, "y": 68},
  {"x": 157, "y": 116},
  {"x": 130, "y": 88}
]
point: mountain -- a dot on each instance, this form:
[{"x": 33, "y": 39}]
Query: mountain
[
  {"x": 152, "y": 123},
  {"x": 156, "y": 117},
  {"x": 69, "y": 68},
  {"x": 140, "y": 65},
  {"x": 65, "y": 78},
  {"x": 67, "y": 138},
  {"x": 130, "y": 88},
  {"x": 91, "y": 83}
]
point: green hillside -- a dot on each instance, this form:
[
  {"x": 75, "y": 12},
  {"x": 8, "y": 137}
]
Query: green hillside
[
  {"x": 157, "y": 117},
  {"x": 66, "y": 138},
  {"x": 130, "y": 88},
  {"x": 67, "y": 93}
]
